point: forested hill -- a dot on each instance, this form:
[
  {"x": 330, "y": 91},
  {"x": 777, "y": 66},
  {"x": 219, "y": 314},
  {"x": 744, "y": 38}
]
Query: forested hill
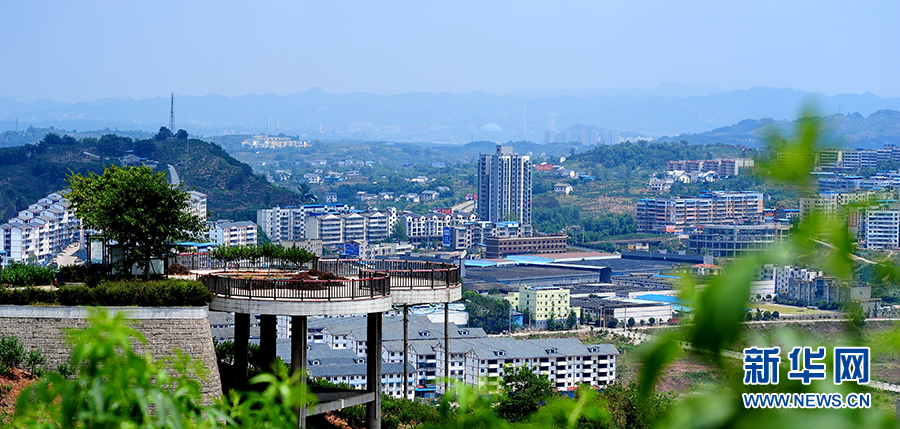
[
  {"x": 30, "y": 172},
  {"x": 650, "y": 155}
]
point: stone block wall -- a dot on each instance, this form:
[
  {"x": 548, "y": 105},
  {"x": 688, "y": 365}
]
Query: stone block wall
[{"x": 166, "y": 328}]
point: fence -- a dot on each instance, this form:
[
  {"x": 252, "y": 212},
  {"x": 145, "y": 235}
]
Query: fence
[
  {"x": 239, "y": 285},
  {"x": 403, "y": 274},
  {"x": 362, "y": 279}
]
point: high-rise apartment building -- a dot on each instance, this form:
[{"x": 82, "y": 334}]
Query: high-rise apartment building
[
  {"x": 717, "y": 207},
  {"x": 504, "y": 186}
]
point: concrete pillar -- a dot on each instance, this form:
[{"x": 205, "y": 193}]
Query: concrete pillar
[
  {"x": 298, "y": 343},
  {"x": 446, "y": 347},
  {"x": 405, "y": 351},
  {"x": 241, "y": 341},
  {"x": 298, "y": 356},
  {"x": 268, "y": 331},
  {"x": 373, "y": 366}
]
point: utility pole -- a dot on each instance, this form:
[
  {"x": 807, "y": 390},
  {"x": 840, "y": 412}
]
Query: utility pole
[{"x": 172, "y": 114}]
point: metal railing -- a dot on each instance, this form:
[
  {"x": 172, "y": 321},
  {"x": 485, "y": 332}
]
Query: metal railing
[
  {"x": 262, "y": 286},
  {"x": 403, "y": 274},
  {"x": 360, "y": 279}
]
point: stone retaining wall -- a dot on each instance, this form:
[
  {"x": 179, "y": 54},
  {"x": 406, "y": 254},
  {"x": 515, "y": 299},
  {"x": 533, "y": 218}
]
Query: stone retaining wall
[{"x": 165, "y": 328}]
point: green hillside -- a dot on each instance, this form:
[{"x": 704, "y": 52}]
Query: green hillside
[{"x": 29, "y": 172}]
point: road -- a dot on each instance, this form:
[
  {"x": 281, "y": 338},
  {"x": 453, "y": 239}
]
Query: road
[
  {"x": 173, "y": 175},
  {"x": 465, "y": 206}
]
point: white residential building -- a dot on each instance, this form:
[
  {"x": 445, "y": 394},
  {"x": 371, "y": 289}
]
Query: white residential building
[
  {"x": 882, "y": 229},
  {"x": 41, "y": 230},
  {"x": 566, "y": 362},
  {"x": 289, "y": 223},
  {"x": 783, "y": 276},
  {"x": 504, "y": 186},
  {"x": 344, "y": 227},
  {"x": 197, "y": 204},
  {"x": 228, "y": 233}
]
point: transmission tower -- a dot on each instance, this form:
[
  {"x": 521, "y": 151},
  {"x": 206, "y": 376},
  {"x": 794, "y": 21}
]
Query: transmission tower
[{"x": 172, "y": 114}]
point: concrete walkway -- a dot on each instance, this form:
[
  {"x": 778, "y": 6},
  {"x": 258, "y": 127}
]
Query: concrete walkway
[{"x": 67, "y": 256}]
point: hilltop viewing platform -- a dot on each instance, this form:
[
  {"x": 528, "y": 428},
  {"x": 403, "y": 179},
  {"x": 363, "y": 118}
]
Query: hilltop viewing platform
[
  {"x": 329, "y": 282},
  {"x": 322, "y": 287}
]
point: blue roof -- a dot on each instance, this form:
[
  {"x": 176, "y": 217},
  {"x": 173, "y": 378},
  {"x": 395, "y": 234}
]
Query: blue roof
[
  {"x": 666, "y": 277},
  {"x": 479, "y": 263},
  {"x": 196, "y": 244},
  {"x": 661, "y": 298},
  {"x": 529, "y": 258}
]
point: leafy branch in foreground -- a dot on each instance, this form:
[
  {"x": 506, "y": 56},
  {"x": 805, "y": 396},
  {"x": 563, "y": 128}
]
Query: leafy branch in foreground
[
  {"x": 719, "y": 311},
  {"x": 112, "y": 385}
]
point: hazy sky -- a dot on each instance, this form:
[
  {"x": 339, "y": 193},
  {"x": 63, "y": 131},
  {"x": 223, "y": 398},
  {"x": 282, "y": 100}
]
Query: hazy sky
[{"x": 86, "y": 50}]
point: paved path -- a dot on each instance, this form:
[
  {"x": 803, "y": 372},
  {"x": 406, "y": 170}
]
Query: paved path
[{"x": 67, "y": 256}]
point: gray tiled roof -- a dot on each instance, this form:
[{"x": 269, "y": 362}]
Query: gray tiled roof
[{"x": 511, "y": 348}]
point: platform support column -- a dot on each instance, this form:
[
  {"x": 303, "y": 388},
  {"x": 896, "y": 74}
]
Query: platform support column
[
  {"x": 268, "y": 331},
  {"x": 373, "y": 373},
  {"x": 241, "y": 343},
  {"x": 406, "y": 351},
  {"x": 446, "y": 347},
  {"x": 298, "y": 356}
]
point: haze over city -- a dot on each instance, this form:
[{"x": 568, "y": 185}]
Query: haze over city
[{"x": 76, "y": 52}]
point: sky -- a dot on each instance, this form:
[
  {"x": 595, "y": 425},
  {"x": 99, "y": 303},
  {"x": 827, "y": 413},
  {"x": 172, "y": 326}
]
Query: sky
[{"x": 93, "y": 49}]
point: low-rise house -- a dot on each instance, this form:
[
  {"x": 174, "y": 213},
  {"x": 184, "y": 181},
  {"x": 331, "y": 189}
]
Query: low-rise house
[{"x": 562, "y": 188}]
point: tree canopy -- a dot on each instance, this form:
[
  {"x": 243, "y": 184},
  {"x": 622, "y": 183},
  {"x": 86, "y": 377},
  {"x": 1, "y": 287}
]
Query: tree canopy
[
  {"x": 524, "y": 391},
  {"x": 484, "y": 312},
  {"x": 135, "y": 207}
]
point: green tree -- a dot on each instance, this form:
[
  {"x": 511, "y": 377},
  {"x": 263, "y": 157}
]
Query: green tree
[
  {"x": 398, "y": 232},
  {"x": 630, "y": 323},
  {"x": 552, "y": 324},
  {"x": 163, "y": 134},
  {"x": 488, "y": 313},
  {"x": 612, "y": 323},
  {"x": 629, "y": 409},
  {"x": 136, "y": 208},
  {"x": 181, "y": 135},
  {"x": 523, "y": 392},
  {"x": 571, "y": 320}
]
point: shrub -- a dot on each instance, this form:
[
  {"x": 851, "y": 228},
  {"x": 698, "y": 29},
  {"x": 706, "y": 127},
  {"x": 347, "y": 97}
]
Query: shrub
[
  {"x": 65, "y": 370},
  {"x": 157, "y": 293},
  {"x": 27, "y": 296},
  {"x": 11, "y": 353},
  {"x": 34, "y": 361},
  {"x": 18, "y": 274}
]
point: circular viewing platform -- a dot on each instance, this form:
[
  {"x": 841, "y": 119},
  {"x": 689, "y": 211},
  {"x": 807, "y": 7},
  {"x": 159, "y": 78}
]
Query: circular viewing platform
[{"x": 334, "y": 287}]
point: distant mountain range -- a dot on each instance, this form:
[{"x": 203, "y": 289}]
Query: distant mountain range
[
  {"x": 669, "y": 110},
  {"x": 840, "y": 131}
]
